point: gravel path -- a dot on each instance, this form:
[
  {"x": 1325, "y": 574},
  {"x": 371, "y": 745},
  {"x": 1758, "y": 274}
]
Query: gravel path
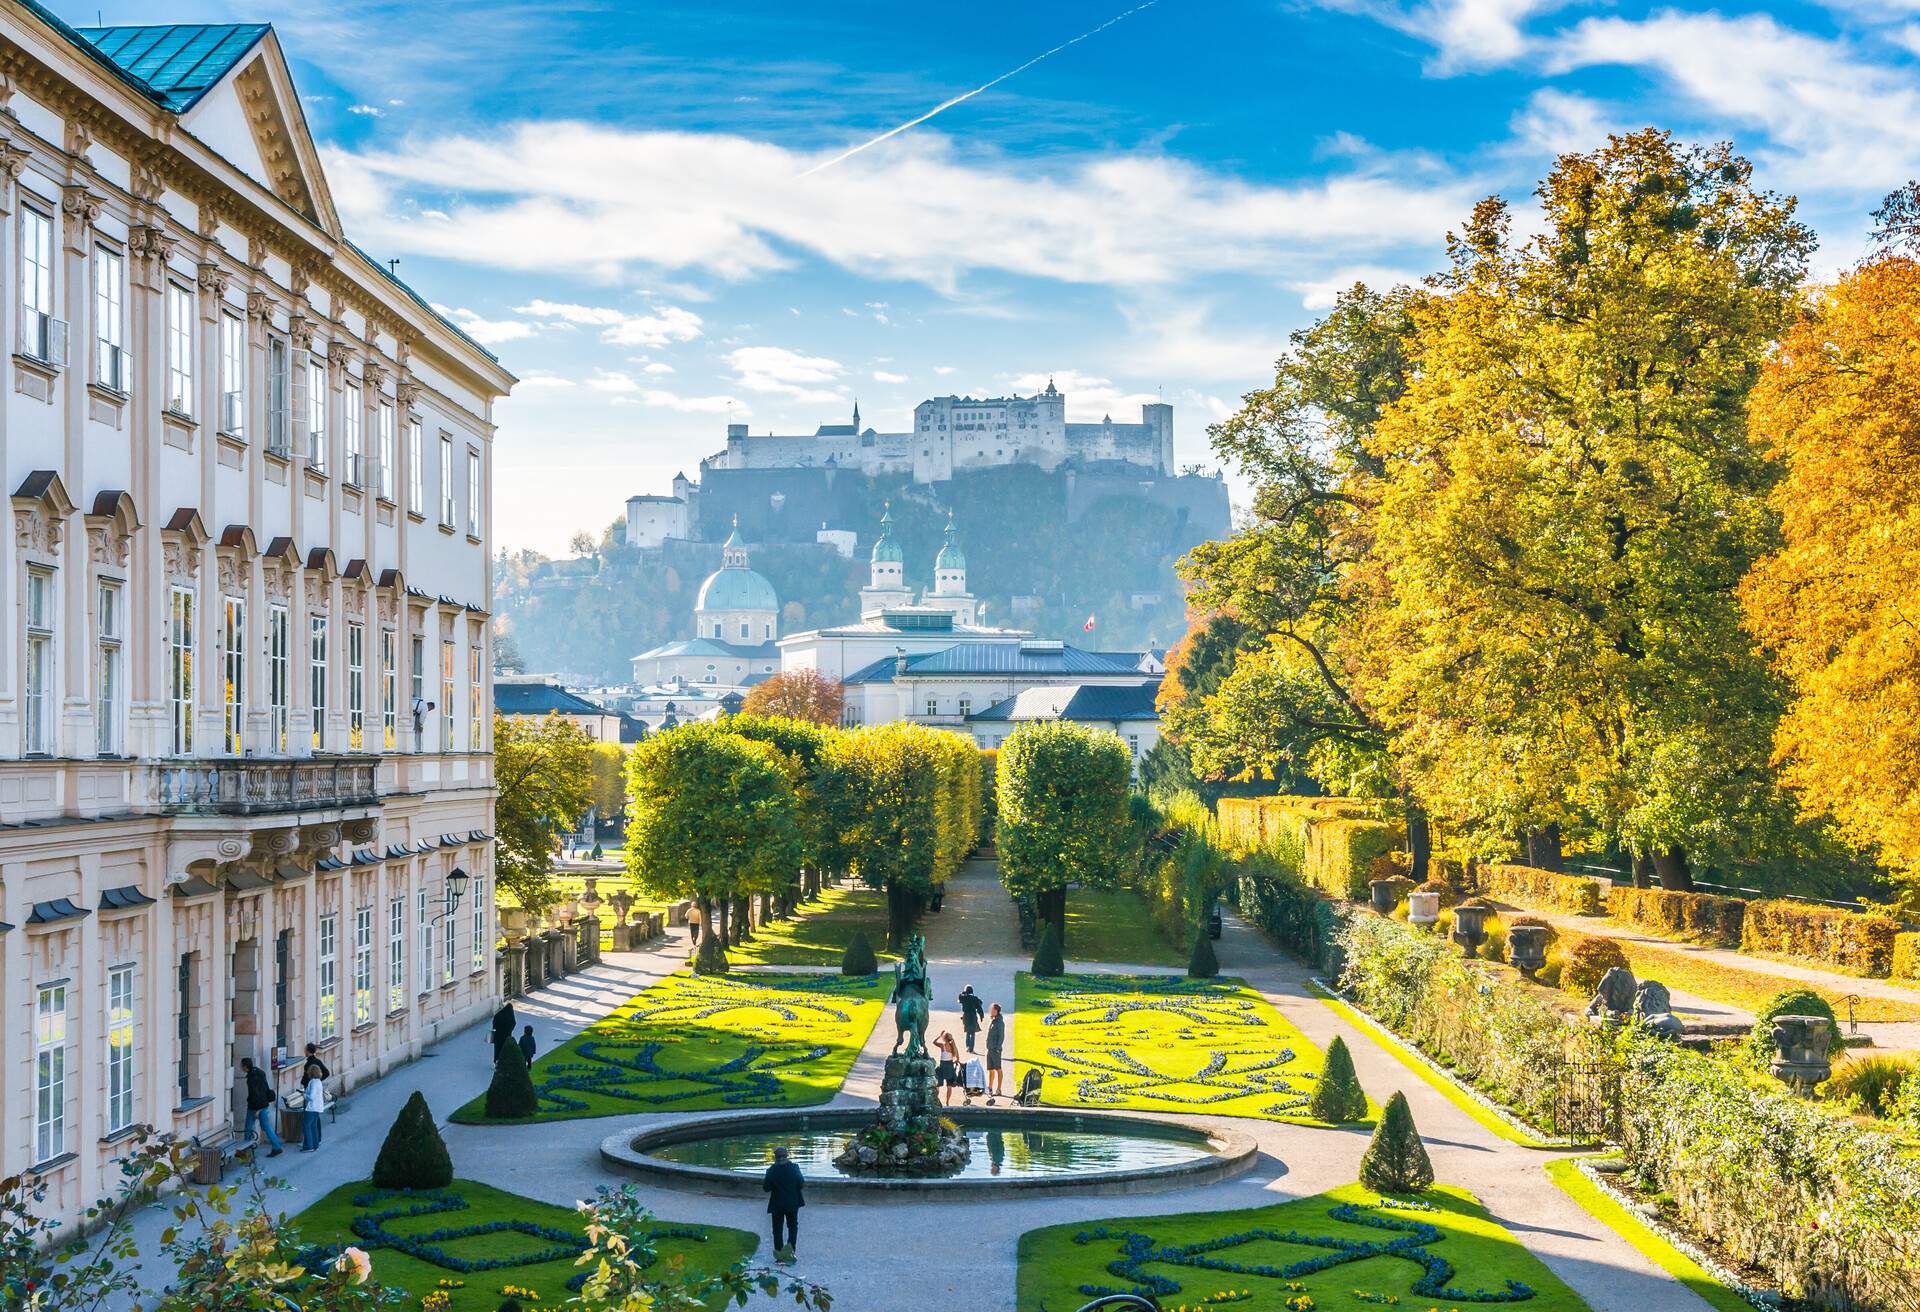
[{"x": 960, "y": 1256}]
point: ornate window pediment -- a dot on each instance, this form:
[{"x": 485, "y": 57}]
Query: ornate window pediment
[{"x": 40, "y": 509}]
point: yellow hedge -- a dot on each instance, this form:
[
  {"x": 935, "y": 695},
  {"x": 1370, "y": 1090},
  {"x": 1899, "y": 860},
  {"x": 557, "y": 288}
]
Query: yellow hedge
[
  {"x": 1695, "y": 917},
  {"x": 1906, "y": 956},
  {"x": 1530, "y": 886},
  {"x": 1329, "y": 842},
  {"x": 1860, "y": 943}
]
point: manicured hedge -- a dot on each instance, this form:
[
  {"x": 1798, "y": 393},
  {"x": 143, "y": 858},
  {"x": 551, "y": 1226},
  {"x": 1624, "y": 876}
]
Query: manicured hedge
[
  {"x": 1276, "y": 824},
  {"x": 1305, "y": 922},
  {"x": 1859, "y": 943},
  {"x": 1529, "y": 886},
  {"x": 1338, "y": 853},
  {"x": 1906, "y": 955},
  {"x": 1694, "y": 917},
  {"x": 1330, "y": 842}
]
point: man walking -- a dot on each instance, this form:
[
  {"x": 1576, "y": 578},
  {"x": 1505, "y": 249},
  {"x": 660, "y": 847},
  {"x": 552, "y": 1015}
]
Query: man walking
[
  {"x": 971, "y": 1009},
  {"x": 527, "y": 1045},
  {"x": 260, "y": 1105},
  {"x": 784, "y": 1201}
]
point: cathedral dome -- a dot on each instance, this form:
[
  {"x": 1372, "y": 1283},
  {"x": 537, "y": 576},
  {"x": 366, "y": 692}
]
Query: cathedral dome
[{"x": 736, "y": 588}]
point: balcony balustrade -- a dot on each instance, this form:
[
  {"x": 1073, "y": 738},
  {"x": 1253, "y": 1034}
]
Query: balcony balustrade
[{"x": 252, "y": 787}]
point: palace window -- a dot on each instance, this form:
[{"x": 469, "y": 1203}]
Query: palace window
[
  {"x": 279, "y": 395},
  {"x": 184, "y": 995},
  {"x": 965, "y": 707},
  {"x": 446, "y": 696},
  {"x": 42, "y": 336},
  {"x": 180, "y": 670},
  {"x": 476, "y": 706},
  {"x": 316, "y": 415},
  {"x": 234, "y": 656},
  {"x": 329, "y": 1026},
  {"x": 425, "y": 932},
  {"x": 282, "y": 988},
  {"x": 233, "y": 375},
  {"x": 396, "y": 953},
  {"x": 473, "y": 490},
  {"x": 356, "y": 686},
  {"x": 41, "y": 602},
  {"x": 446, "y": 968},
  {"x": 350, "y": 427},
  {"x": 279, "y": 679},
  {"x": 107, "y": 677},
  {"x": 50, "y": 1072},
  {"x": 317, "y": 676},
  {"x": 389, "y": 688},
  {"x": 933, "y": 706},
  {"x": 109, "y": 318},
  {"x": 479, "y": 896},
  {"x": 179, "y": 349},
  {"x": 120, "y": 1020},
  {"x": 446, "y": 481},
  {"x": 386, "y": 451},
  {"x": 363, "y": 965},
  {"x": 416, "y": 494}
]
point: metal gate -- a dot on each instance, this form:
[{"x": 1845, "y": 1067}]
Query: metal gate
[{"x": 1586, "y": 1102}]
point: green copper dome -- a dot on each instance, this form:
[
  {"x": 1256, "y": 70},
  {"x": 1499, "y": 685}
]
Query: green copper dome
[
  {"x": 886, "y": 550},
  {"x": 950, "y": 557},
  {"x": 736, "y": 589}
]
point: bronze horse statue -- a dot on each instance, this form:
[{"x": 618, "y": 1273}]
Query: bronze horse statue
[{"x": 912, "y": 998}]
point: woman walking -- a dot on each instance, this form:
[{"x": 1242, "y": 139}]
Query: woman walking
[
  {"x": 316, "y": 1103},
  {"x": 947, "y": 1073},
  {"x": 996, "y": 1045}
]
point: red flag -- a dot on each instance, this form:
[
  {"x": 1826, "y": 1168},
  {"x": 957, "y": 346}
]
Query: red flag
[{"x": 1088, "y": 626}]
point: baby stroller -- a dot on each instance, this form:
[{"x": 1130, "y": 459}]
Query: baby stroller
[
  {"x": 1029, "y": 1094},
  {"x": 973, "y": 1078}
]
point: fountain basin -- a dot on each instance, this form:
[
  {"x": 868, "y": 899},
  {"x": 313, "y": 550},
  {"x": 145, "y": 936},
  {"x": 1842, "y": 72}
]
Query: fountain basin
[{"x": 1042, "y": 1151}]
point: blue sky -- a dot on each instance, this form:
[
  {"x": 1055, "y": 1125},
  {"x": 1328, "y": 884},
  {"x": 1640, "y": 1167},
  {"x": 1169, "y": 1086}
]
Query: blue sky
[{"x": 617, "y": 197}]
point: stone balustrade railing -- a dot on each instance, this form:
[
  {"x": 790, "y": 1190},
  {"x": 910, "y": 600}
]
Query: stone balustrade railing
[{"x": 247, "y": 787}]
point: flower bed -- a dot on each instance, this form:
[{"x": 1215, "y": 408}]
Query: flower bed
[
  {"x": 1319, "y": 1253},
  {"x": 700, "y": 1042},
  {"x": 501, "y": 1241},
  {"x": 1164, "y": 1043}
]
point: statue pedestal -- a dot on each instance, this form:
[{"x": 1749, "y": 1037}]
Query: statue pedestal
[{"x": 908, "y": 1136}]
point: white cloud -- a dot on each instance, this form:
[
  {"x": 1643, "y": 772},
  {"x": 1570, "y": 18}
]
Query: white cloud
[
  {"x": 1465, "y": 33},
  {"x": 487, "y": 332},
  {"x": 790, "y": 374},
  {"x": 1320, "y": 293},
  {"x": 367, "y": 111},
  {"x": 1089, "y": 397},
  {"x": 1556, "y": 122},
  {"x": 661, "y": 326},
  {"x": 882, "y": 376},
  {"x": 945, "y": 370},
  {"x": 656, "y": 367},
  {"x": 612, "y": 380},
  {"x": 700, "y": 405},
  {"x": 587, "y": 199},
  {"x": 534, "y": 379}
]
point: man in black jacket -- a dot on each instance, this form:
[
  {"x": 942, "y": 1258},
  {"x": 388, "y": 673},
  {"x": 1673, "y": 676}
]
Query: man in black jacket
[
  {"x": 784, "y": 1201},
  {"x": 502, "y": 1027},
  {"x": 259, "y": 1105},
  {"x": 971, "y": 1009}
]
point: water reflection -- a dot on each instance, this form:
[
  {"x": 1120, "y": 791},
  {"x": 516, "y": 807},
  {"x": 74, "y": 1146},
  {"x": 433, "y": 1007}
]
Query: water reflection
[{"x": 996, "y": 1152}]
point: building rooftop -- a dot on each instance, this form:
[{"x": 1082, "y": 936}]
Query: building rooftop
[
  {"x": 1076, "y": 701},
  {"x": 712, "y": 647},
  {"x": 534, "y": 697},
  {"x": 175, "y": 63},
  {"x": 915, "y": 621},
  {"x": 995, "y": 658}
]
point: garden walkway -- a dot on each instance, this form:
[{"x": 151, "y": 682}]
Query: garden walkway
[
  {"x": 1887, "y": 1035},
  {"x": 960, "y": 1257}
]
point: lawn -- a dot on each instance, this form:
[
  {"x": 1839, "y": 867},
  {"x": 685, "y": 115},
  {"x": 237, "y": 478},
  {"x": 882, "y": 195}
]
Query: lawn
[
  {"x": 819, "y": 931},
  {"x": 1347, "y": 1250},
  {"x": 532, "y": 1245},
  {"x": 1164, "y": 1043},
  {"x": 1116, "y": 925},
  {"x": 1746, "y": 989},
  {"x": 695, "y": 1043}
]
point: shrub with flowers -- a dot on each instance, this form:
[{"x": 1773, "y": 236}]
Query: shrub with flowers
[{"x": 617, "y": 1267}]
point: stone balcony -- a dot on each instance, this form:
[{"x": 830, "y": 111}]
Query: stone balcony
[{"x": 247, "y": 786}]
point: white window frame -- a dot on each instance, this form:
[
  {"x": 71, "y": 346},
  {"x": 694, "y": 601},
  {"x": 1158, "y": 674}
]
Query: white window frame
[
  {"x": 363, "y": 965},
  {"x": 356, "y": 685},
  {"x": 181, "y": 313},
  {"x": 110, "y": 668},
  {"x": 42, "y": 665},
  {"x": 450, "y": 945},
  {"x": 317, "y": 637},
  {"x": 279, "y": 672},
  {"x": 386, "y": 451},
  {"x": 476, "y": 726},
  {"x": 389, "y": 688},
  {"x": 233, "y": 684},
  {"x": 351, "y": 402},
  {"x": 233, "y": 374},
  {"x": 327, "y": 1016},
  {"x": 416, "y": 474},
  {"x": 424, "y": 929},
  {"x": 110, "y": 362},
  {"x": 446, "y": 694},
  {"x": 180, "y": 668},
  {"x": 396, "y": 953},
  {"x": 446, "y": 481},
  {"x": 122, "y": 1017},
  {"x": 50, "y": 1071},
  {"x": 39, "y": 330},
  {"x": 479, "y": 895},
  {"x": 279, "y": 395},
  {"x": 316, "y": 416},
  {"x": 473, "y": 491}
]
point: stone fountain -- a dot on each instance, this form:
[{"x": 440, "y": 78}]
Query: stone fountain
[{"x": 908, "y": 1135}]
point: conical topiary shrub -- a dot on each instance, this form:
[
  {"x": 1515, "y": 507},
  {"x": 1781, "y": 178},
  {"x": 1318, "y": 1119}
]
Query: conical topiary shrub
[
  {"x": 414, "y": 1155},
  {"x": 858, "y": 959},
  {"x": 1338, "y": 1098},
  {"x": 1396, "y": 1160},
  {"x": 1046, "y": 958},
  {"x": 511, "y": 1305},
  {"x": 711, "y": 959},
  {"x": 1201, "y": 963},
  {"x": 511, "y": 1095}
]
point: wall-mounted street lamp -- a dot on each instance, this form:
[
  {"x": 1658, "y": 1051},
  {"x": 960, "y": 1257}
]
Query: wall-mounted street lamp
[{"x": 456, "y": 889}]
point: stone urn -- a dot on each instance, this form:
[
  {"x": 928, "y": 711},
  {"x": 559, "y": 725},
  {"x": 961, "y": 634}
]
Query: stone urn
[
  {"x": 1527, "y": 948},
  {"x": 1423, "y": 908},
  {"x": 1800, "y": 1060},
  {"x": 622, "y": 906},
  {"x": 1470, "y": 926},
  {"x": 514, "y": 921},
  {"x": 1385, "y": 895},
  {"x": 592, "y": 896},
  {"x": 564, "y": 912}
]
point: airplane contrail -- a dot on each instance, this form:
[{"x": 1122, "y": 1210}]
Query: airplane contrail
[{"x": 968, "y": 95}]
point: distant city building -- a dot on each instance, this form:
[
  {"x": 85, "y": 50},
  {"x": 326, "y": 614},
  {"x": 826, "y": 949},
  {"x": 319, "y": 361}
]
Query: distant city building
[
  {"x": 736, "y": 618},
  {"x": 961, "y": 432},
  {"x": 652, "y": 520},
  {"x": 536, "y": 696}
]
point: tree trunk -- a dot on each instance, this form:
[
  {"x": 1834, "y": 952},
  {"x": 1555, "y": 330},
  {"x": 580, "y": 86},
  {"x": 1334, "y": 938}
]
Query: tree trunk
[
  {"x": 742, "y": 920},
  {"x": 1419, "y": 841},
  {"x": 721, "y": 906},
  {"x": 1543, "y": 848},
  {"x": 710, "y": 958},
  {"x": 1671, "y": 865},
  {"x": 899, "y": 915},
  {"x": 1642, "y": 869},
  {"x": 1052, "y": 907}
]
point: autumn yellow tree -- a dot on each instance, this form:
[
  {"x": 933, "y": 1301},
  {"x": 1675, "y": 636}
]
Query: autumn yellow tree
[
  {"x": 1839, "y": 407},
  {"x": 797, "y": 695}
]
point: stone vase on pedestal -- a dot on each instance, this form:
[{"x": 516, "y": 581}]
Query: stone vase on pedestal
[
  {"x": 1470, "y": 927},
  {"x": 1527, "y": 948},
  {"x": 1800, "y": 1059},
  {"x": 1423, "y": 908},
  {"x": 908, "y": 1136},
  {"x": 1385, "y": 895}
]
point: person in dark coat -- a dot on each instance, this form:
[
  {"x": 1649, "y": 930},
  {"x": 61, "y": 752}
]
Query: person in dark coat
[
  {"x": 996, "y": 1045},
  {"x": 783, "y": 1184},
  {"x": 526, "y": 1045},
  {"x": 315, "y": 1069},
  {"x": 503, "y": 1020},
  {"x": 971, "y": 1009},
  {"x": 260, "y": 1105}
]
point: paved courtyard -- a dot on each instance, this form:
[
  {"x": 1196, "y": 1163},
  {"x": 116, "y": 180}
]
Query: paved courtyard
[{"x": 961, "y": 1255}]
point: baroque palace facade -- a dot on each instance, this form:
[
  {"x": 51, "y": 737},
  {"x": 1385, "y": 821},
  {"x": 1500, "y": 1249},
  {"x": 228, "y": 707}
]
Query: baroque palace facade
[{"x": 246, "y": 792}]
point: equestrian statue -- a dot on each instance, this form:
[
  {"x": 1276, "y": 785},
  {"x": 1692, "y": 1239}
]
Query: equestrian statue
[{"x": 912, "y": 998}]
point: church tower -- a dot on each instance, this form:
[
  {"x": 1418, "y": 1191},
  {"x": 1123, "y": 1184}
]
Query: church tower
[
  {"x": 887, "y": 588},
  {"x": 950, "y": 581}
]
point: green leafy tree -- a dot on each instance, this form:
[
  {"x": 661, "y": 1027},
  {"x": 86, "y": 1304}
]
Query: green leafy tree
[
  {"x": 711, "y": 816},
  {"x": 1063, "y": 813},
  {"x": 1338, "y": 1097},
  {"x": 414, "y": 1156},
  {"x": 1396, "y": 1161},
  {"x": 544, "y": 771},
  {"x": 801, "y": 745},
  {"x": 510, "y": 1094},
  {"x": 607, "y": 788}
]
